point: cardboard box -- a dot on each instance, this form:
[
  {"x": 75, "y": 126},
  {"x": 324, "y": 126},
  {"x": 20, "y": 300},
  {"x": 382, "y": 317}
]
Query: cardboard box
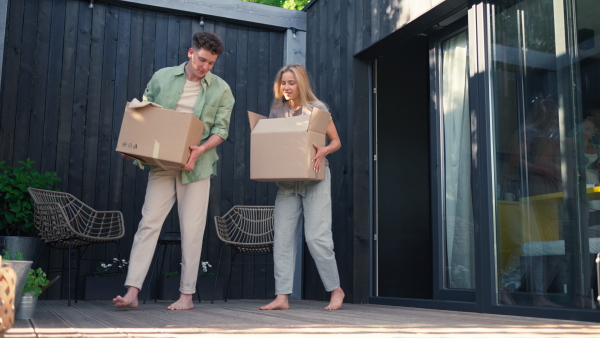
[
  {"x": 159, "y": 136},
  {"x": 281, "y": 149}
]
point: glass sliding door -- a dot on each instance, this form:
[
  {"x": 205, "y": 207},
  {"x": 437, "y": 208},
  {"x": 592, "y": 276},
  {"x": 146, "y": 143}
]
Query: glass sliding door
[
  {"x": 458, "y": 256},
  {"x": 544, "y": 58}
]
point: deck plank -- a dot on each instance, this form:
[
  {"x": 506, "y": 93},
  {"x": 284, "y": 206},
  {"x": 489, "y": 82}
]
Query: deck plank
[
  {"x": 25, "y": 328},
  {"x": 230, "y": 319}
]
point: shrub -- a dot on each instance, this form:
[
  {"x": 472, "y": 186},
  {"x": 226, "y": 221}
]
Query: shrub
[{"x": 16, "y": 207}]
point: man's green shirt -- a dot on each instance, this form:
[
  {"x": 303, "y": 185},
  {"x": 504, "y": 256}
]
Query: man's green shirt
[{"x": 213, "y": 107}]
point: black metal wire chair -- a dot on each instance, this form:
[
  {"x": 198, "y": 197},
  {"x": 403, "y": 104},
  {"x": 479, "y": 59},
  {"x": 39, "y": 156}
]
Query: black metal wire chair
[
  {"x": 245, "y": 230},
  {"x": 64, "y": 222}
]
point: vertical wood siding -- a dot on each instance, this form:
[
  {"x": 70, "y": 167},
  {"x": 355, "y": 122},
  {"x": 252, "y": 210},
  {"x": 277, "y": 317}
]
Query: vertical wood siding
[
  {"x": 337, "y": 30},
  {"x": 68, "y": 72},
  {"x": 327, "y": 63}
]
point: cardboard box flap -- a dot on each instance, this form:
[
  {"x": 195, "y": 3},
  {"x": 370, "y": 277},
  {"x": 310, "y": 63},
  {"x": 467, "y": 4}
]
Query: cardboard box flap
[
  {"x": 135, "y": 103},
  {"x": 253, "y": 118},
  {"x": 282, "y": 125},
  {"x": 319, "y": 120}
]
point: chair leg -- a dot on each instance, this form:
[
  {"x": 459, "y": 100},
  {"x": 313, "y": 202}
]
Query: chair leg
[
  {"x": 69, "y": 275},
  {"x": 152, "y": 275},
  {"x": 39, "y": 254},
  {"x": 212, "y": 301},
  {"x": 119, "y": 254},
  {"x": 118, "y": 249},
  {"x": 79, "y": 254},
  {"x": 160, "y": 274},
  {"x": 197, "y": 287},
  {"x": 228, "y": 286}
]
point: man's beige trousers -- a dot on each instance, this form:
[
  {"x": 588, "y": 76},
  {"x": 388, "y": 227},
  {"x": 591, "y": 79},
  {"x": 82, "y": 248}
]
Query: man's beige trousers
[{"x": 164, "y": 188}]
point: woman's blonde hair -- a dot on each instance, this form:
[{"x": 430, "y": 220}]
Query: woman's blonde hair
[{"x": 307, "y": 97}]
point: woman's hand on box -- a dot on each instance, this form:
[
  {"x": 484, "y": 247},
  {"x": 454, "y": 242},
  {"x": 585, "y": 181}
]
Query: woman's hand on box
[
  {"x": 333, "y": 146},
  {"x": 318, "y": 158}
]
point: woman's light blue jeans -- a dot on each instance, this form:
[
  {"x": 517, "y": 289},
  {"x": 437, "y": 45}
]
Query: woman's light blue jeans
[{"x": 313, "y": 201}]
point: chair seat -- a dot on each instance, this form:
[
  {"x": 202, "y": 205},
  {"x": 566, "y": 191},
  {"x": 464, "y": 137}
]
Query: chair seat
[
  {"x": 253, "y": 249},
  {"x": 170, "y": 239}
]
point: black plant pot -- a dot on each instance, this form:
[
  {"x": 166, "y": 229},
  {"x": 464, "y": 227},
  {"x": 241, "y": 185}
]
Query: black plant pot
[
  {"x": 169, "y": 288},
  {"x": 28, "y": 246}
]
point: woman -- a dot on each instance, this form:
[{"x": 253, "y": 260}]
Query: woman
[{"x": 294, "y": 97}]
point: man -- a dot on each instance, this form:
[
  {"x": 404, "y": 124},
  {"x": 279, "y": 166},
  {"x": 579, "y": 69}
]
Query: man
[{"x": 192, "y": 88}]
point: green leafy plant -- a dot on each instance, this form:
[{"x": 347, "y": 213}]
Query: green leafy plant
[
  {"x": 16, "y": 207},
  {"x": 118, "y": 267},
  {"x": 289, "y": 4},
  {"x": 36, "y": 280},
  {"x": 172, "y": 274},
  {"x": 18, "y": 256}
]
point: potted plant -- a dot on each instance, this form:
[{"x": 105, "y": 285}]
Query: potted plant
[
  {"x": 206, "y": 283},
  {"x": 106, "y": 280},
  {"x": 169, "y": 288},
  {"x": 35, "y": 283},
  {"x": 17, "y": 262},
  {"x": 17, "y": 222}
]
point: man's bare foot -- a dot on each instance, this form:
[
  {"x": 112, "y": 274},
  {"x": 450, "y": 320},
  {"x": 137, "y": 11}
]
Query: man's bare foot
[
  {"x": 337, "y": 298},
  {"x": 130, "y": 300},
  {"x": 185, "y": 302},
  {"x": 280, "y": 303}
]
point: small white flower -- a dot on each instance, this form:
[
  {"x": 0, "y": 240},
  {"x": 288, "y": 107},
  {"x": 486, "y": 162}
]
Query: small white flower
[{"x": 205, "y": 266}]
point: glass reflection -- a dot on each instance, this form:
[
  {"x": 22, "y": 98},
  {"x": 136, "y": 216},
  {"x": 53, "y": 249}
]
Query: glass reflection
[{"x": 545, "y": 63}]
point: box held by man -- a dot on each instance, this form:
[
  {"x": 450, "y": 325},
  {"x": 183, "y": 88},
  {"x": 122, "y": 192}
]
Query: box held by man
[{"x": 157, "y": 136}]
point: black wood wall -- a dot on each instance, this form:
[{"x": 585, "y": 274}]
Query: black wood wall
[
  {"x": 343, "y": 39},
  {"x": 334, "y": 32},
  {"x": 68, "y": 72}
]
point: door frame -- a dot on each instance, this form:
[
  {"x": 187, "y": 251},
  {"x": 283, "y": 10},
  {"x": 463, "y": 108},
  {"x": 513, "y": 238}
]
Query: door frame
[{"x": 437, "y": 160}]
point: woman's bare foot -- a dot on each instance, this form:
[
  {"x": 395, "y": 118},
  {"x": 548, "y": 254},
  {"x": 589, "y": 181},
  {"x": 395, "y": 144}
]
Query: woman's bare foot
[
  {"x": 506, "y": 298},
  {"x": 280, "y": 303},
  {"x": 337, "y": 298},
  {"x": 543, "y": 301},
  {"x": 130, "y": 300},
  {"x": 185, "y": 302}
]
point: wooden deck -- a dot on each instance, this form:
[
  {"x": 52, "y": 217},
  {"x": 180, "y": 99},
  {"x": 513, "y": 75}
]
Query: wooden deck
[{"x": 99, "y": 319}]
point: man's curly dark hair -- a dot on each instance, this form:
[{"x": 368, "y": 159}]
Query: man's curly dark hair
[{"x": 209, "y": 41}]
